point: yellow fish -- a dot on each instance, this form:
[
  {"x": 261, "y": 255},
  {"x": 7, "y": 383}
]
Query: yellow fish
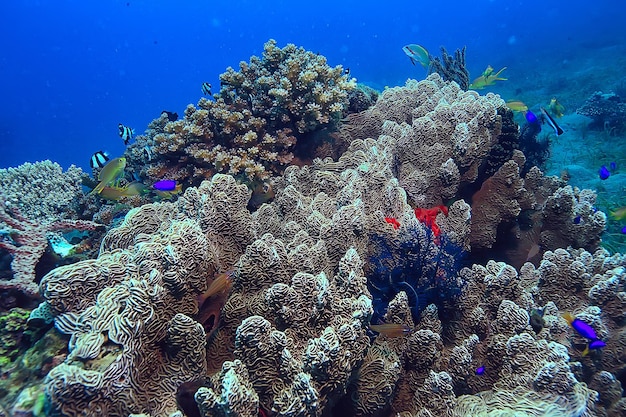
[
  {"x": 488, "y": 78},
  {"x": 110, "y": 173},
  {"x": 115, "y": 193},
  {"x": 556, "y": 108},
  {"x": 517, "y": 105},
  {"x": 619, "y": 213},
  {"x": 417, "y": 53}
]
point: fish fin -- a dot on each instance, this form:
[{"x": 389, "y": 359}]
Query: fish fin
[
  {"x": 568, "y": 317},
  {"x": 412, "y": 60},
  {"x": 586, "y": 351}
]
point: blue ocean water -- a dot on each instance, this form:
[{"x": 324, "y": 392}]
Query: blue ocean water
[{"x": 72, "y": 70}]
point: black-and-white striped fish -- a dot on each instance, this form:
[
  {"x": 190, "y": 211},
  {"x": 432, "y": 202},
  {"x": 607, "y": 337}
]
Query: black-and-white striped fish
[
  {"x": 126, "y": 133},
  {"x": 98, "y": 160},
  {"x": 206, "y": 89}
]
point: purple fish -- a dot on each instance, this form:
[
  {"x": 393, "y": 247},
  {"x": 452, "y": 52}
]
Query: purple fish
[
  {"x": 624, "y": 230},
  {"x": 604, "y": 172},
  {"x": 582, "y": 328},
  {"x": 596, "y": 344},
  {"x": 530, "y": 117},
  {"x": 480, "y": 370},
  {"x": 165, "y": 185}
]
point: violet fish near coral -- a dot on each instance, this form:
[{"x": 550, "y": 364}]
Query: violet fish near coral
[
  {"x": 126, "y": 133},
  {"x": 480, "y": 370},
  {"x": 582, "y": 328},
  {"x": 557, "y": 129},
  {"x": 165, "y": 185},
  {"x": 417, "y": 53},
  {"x": 98, "y": 160},
  {"x": 206, "y": 89}
]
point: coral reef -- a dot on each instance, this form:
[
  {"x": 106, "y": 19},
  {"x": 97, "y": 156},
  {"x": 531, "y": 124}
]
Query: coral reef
[
  {"x": 607, "y": 111},
  {"x": 292, "y": 336},
  {"x": 263, "y": 117}
]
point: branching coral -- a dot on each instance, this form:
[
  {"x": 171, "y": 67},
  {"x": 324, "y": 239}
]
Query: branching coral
[
  {"x": 253, "y": 127},
  {"x": 41, "y": 190}
]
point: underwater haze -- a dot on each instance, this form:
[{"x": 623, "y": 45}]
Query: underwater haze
[{"x": 72, "y": 70}]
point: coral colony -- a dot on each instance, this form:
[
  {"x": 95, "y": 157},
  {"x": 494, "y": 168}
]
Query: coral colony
[{"x": 340, "y": 291}]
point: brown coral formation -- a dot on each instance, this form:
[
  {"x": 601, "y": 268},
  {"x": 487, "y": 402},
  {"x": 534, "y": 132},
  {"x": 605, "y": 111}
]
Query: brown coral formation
[
  {"x": 254, "y": 125},
  {"x": 292, "y": 338}
]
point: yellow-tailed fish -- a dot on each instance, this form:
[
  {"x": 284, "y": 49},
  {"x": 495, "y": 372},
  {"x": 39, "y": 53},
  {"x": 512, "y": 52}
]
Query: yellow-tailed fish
[
  {"x": 619, "y": 213},
  {"x": 485, "y": 80},
  {"x": 417, "y": 53},
  {"x": 110, "y": 173},
  {"x": 115, "y": 193},
  {"x": 166, "y": 195},
  {"x": 517, "y": 105},
  {"x": 556, "y": 108},
  {"x": 391, "y": 329}
]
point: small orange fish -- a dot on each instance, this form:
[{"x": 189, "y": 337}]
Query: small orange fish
[
  {"x": 391, "y": 329},
  {"x": 223, "y": 282}
]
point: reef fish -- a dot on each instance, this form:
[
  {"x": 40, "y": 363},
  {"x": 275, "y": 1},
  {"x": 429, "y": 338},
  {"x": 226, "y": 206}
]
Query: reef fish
[
  {"x": 619, "y": 213},
  {"x": 480, "y": 370},
  {"x": 109, "y": 174},
  {"x": 604, "y": 173},
  {"x": 171, "y": 116},
  {"x": 517, "y": 105},
  {"x": 115, "y": 193},
  {"x": 206, "y": 89},
  {"x": 581, "y": 327},
  {"x": 391, "y": 329},
  {"x": 126, "y": 133},
  {"x": 557, "y": 129},
  {"x": 98, "y": 160},
  {"x": 556, "y": 108},
  {"x": 165, "y": 185},
  {"x": 488, "y": 78},
  {"x": 417, "y": 53}
]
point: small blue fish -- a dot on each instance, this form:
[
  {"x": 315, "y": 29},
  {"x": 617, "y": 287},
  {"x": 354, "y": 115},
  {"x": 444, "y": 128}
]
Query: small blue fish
[
  {"x": 531, "y": 117},
  {"x": 577, "y": 220},
  {"x": 624, "y": 230},
  {"x": 582, "y": 328},
  {"x": 165, "y": 185},
  {"x": 126, "y": 133},
  {"x": 612, "y": 166},
  {"x": 604, "y": 173},
  {"x": 480, "y": 370}
]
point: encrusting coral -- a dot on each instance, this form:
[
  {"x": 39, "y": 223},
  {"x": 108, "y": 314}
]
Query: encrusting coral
[
  {"x": 255, "y": 124},
  {"x": 27, "y": 241},
  {"x": 293, "y": 336}
]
